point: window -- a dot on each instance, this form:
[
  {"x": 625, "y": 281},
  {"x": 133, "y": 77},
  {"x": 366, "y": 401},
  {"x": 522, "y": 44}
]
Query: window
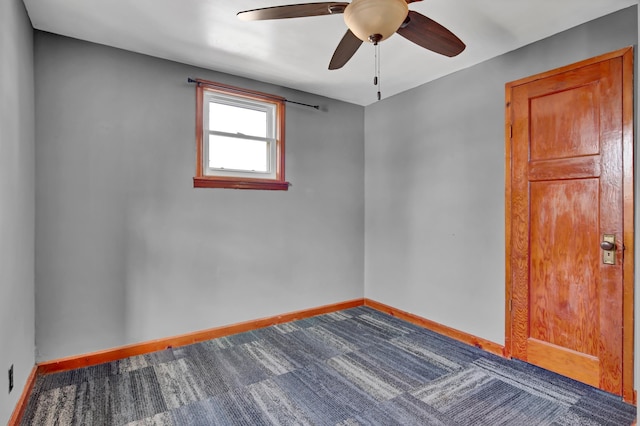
[{"x": 240, "y": 138}]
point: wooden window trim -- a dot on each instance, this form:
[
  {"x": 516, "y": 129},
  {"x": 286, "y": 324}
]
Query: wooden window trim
[{"x": 201, "y": 180}]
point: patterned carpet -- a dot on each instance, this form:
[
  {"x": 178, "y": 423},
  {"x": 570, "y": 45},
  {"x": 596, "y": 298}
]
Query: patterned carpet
[{"x": 353, "y": 367}]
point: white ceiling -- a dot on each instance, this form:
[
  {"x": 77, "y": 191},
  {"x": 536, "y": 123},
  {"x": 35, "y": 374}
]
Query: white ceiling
[{"x": 296, "y": 52}]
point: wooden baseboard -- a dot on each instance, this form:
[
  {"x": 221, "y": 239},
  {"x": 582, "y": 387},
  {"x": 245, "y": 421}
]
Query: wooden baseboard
[
  {"x": 461, "y": 336},
  {"x": 18, "y": 412},
  {"x": 113, "y": 354}
]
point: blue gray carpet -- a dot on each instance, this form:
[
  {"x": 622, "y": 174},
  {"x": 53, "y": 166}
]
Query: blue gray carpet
[{"x": 353, "y": 367}]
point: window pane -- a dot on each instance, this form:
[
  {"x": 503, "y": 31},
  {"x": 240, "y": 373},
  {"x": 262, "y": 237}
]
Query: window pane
[
  {"x": 233, "y": 119},
  {"x": 238, "y": 154}
]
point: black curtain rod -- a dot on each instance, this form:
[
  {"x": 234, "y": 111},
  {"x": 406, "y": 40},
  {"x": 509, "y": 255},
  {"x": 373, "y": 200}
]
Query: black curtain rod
[
  {"x": 300, "y": 103},
  {"x": 191, "y": 80}
]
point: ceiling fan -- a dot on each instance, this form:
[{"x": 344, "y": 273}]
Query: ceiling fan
[{"x": 371, "y": 21}]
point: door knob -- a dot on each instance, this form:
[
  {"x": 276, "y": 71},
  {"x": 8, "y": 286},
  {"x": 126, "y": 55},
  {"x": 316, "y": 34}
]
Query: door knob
[{"x": 607, "y": 245}]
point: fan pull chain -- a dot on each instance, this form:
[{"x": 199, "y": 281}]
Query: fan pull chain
[
  {"x": 375, "y": 64},
  {"x": 377, "y": 81}
]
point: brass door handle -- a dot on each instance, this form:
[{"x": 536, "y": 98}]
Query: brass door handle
[{"x": 607, "y": 245}]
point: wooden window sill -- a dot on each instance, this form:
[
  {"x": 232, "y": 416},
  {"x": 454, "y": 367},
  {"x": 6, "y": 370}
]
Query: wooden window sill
[{"x": 210, "y": 182}]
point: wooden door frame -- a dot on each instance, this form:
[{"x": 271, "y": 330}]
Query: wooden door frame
[{"x": 626, "y": 54}]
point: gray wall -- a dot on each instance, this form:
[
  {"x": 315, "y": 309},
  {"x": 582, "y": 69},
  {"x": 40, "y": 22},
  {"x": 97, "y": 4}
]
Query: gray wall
[
  {"x": 127, "y": 250},
  {"x": 434, "y": 179},
  {"x": 16, "y": 201}
]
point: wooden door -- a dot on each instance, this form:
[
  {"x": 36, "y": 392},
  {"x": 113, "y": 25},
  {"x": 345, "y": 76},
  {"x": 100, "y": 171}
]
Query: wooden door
[{"x": 569, "y": 182}]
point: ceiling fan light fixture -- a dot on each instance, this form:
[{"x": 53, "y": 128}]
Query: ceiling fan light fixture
[{"x": 366, "y": 18}]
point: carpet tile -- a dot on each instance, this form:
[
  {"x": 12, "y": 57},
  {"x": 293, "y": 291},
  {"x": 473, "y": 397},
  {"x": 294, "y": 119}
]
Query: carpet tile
[
  {"x": 498, "y": 403},
  {"x": 353, "y": 367},
  {"x": 438, "y": 361},
  {"x": 378, "y": 383},
  {"x": 544, "y": 385},
  {"x": 180, "y": 387},
  {"x": 446, "y": 390}
]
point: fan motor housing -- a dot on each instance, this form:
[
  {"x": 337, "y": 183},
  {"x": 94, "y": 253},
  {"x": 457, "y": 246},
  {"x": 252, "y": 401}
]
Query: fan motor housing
[{"x": 367, "y": 18}]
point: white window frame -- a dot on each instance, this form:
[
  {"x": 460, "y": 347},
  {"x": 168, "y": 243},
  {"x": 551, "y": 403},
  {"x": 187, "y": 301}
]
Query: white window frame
[{"x": 270, "y": 137}]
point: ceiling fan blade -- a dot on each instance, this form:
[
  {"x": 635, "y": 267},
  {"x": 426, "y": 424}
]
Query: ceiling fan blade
[
  {"x": 345, "y": 50},
  {"x": 293, "y": 11},
  {"x": 429, "y": 34}
]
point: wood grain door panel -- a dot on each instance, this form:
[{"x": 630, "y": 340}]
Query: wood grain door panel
[
  {"x": 571, "y": 116},
  {"x": 564, "y": 270},
  {"x": 565, "y": 191}
]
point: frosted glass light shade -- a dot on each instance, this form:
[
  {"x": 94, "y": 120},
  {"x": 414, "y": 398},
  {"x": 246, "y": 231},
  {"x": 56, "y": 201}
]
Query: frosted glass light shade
[{"x": 368, "y": 17}]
